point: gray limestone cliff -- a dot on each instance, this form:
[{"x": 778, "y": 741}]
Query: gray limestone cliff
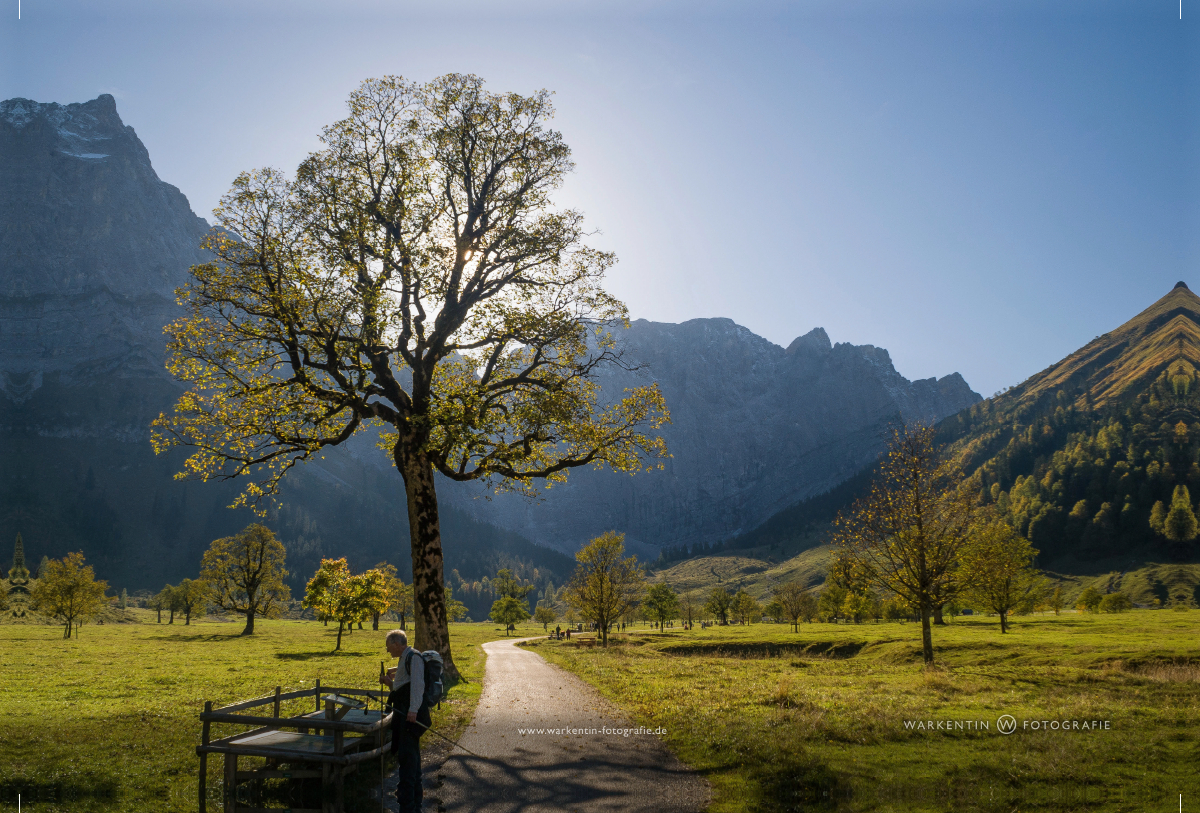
[
  {"x": 92, "y": 247},
  {"x": 754, "y": 428}
]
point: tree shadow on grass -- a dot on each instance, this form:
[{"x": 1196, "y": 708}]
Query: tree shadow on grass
[
  {"x": 324, "y": 653},
  {"x": 32, "y": 791},
  {"x": 210, "y": 637}
]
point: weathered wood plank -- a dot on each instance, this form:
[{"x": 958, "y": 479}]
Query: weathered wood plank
[
  {"x": 230, "y": 789},
  {"x": 272, "y": 774},
  {"x": 291, "y": 722}
]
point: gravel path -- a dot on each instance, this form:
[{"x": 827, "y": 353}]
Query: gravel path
[{"x": 536, "y": 773}]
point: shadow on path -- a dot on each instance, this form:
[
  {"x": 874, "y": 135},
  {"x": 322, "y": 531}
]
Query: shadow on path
[{"x": 540, "y": 735}]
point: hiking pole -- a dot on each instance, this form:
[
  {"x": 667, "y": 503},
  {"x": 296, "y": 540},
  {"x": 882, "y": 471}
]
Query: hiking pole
[
  {"x": 382, "y": 714},
  {"x": 447, "y": 739}
]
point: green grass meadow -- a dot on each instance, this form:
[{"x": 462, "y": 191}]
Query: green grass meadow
[
  {"x": 110, "y": 721},
  {"x": 776, "y": 720},
  {"x": 816, "y": 720}
]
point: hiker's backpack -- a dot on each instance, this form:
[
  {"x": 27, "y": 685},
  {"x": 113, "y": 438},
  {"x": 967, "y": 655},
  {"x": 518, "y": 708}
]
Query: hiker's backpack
[{"x": 434, "y": 688}]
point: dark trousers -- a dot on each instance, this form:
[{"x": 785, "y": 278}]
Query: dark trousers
[{"x": 406, "y": 742}]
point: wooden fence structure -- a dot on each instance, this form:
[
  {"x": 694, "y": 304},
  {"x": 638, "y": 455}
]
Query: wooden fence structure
[{"x": 343, "y": 737}]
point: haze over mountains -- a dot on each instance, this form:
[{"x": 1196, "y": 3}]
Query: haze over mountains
[
  {"x": 754, "y": 428},
  {"x": 92, "y": 246}
]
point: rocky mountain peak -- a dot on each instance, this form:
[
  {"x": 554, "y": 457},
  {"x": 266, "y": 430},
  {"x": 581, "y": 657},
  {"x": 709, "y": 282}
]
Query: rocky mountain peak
[
  {"x": 1125, "y": 359},
  {"x": 754, "y": 428},
  {"x": 77, "y": 175},
  {"x": 92, "y": 248},
  {"x": 815, "y": 341}
]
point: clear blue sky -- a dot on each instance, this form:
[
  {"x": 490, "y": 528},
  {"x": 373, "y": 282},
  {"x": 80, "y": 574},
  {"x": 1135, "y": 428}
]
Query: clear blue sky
[{"x": 974, "y": 190}]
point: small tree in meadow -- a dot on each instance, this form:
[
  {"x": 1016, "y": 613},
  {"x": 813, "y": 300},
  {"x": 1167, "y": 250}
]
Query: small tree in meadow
[
  {"x": 1115, "y": 603},
  {"x": 605, "y": 583},
  {"x": 545, "y": 616},
  {"x": 687, "y": 608},
  {"x": 1089, "y": 600},
  {"x": 719, "y": 603},
  {"x": 662, "y": 602},
  {"x": 509, "y": 611},
  {"x": 998, "y": 567},
  {"x": 399, "y": 597},
  {"x": 160, "y": 601},
  {"x": 831, "y": 602},
  {"x": 856, "y": 607},
  {"x": 245, "y": 573},
  {"x": 1056, "y": 601},
  {"x": 744, "y": 607},
  {"x": 455, "y": 609},
  {"x": 344, "y": 597},
  {"x": 190, "y": 598},
  {"x": 68, "y": 591},
  {"x": 795, "y": 601}
]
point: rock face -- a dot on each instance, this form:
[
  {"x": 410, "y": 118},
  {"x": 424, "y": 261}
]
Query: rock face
[
  {"x": 92, "y": 248},
  {"x": 755, "y": 428}
]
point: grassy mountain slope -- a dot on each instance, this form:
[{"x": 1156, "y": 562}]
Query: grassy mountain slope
[{"x": 756, "y": 576}]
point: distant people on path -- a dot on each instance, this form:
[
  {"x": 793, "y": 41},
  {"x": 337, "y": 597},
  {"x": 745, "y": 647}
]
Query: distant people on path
[{"x": 407, "y": 683}]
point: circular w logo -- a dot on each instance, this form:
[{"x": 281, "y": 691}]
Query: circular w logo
[{"x": 1006, "y": 724}]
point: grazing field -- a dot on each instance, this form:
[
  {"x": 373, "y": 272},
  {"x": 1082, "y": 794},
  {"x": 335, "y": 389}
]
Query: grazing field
[
  {"x": 110, "y": 721},
  {"x": 830, "y": 718}
]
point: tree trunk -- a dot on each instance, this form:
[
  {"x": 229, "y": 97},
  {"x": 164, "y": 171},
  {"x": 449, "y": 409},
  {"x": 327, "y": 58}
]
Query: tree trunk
[
  {"x": 339, "y": 638},
  {"x": 1003, "y": 622},
  {"x": 160, "y": 615},
  {"x": 188, "y": 622},
  {"x": 172, "y": 619},
  {"x": 249, "y": 630},
  {"x": 67, "y": 634},
  {"x": 425, "y": 536},
  {"x": 375, "y": 622},
  {"x": 926, "y": 637},
  {"x": 937, "y": 616}
]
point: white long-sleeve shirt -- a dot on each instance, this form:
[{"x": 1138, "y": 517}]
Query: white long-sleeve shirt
[{"x": 415, "y": 681}]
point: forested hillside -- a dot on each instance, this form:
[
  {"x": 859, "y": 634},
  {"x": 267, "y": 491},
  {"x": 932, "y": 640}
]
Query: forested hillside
[{"x": 1083, "y": 456}]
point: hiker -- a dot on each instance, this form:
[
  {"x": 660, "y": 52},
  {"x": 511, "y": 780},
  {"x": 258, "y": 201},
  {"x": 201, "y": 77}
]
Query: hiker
[{"x": 407, "y": 683}]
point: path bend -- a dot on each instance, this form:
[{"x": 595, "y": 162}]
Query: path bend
[{"x": 529, "y": 772}]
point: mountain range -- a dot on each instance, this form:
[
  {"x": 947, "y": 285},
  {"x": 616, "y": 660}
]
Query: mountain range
[
  {"x": 1079, "y": 458},
  {"x": 93, "y": 245}
]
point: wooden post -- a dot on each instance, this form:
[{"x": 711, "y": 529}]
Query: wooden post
[
  {"x": 319, "y": 731},
  {"x": 230, "y": 783},
  {"x": 204, "y": 760},
  {"x": 277, "y": 688},
  {"x": 339, "y": 775}
]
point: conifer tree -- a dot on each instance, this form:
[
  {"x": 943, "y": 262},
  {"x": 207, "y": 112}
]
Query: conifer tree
[
  {"x": 1180, "y": 524},
  {"x": 1158, "y": 518},
  {"x": 18, "y": 573}
]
